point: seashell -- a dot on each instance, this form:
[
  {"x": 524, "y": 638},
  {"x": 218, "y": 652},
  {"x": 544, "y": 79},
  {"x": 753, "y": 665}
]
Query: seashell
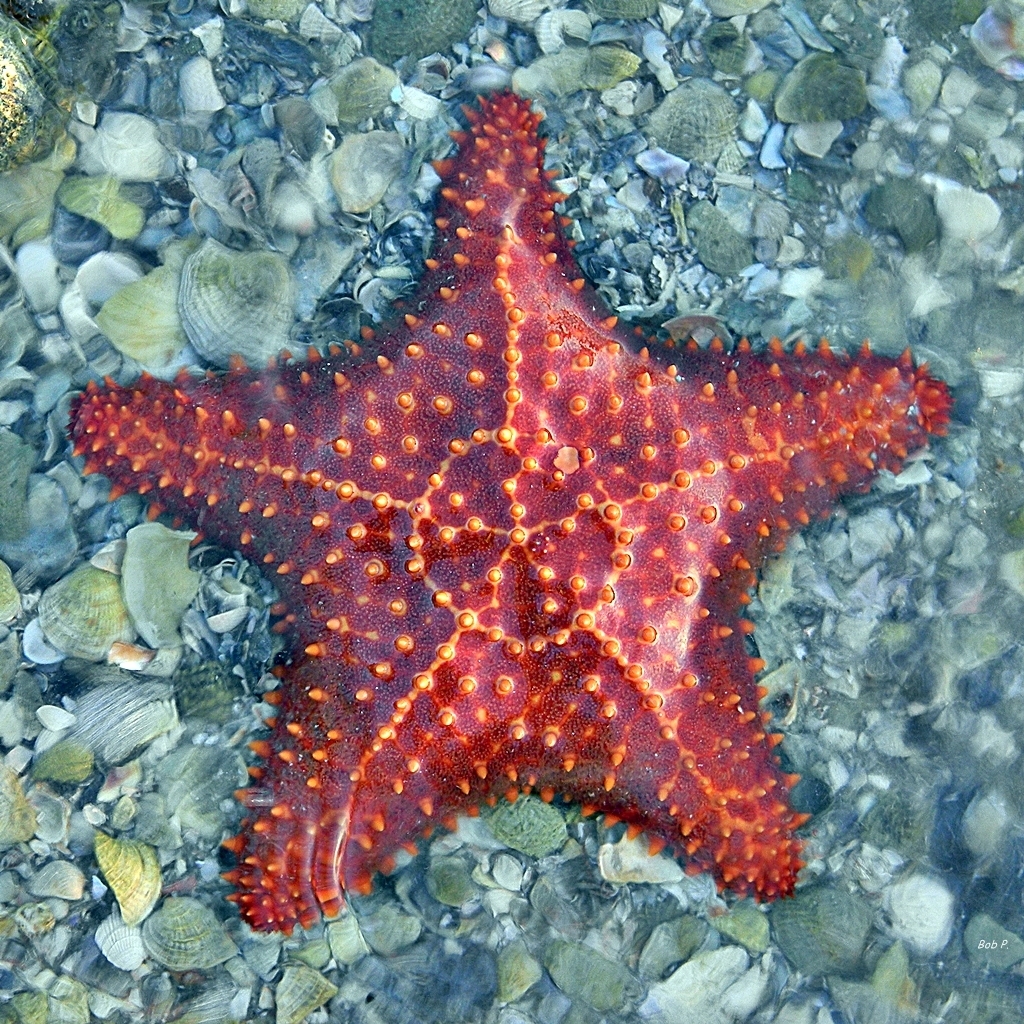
[
  {"x": 131, "y": 870},
  {"x": 449, "y": 882},
  {"x": 35, "y": 919},
  {"x": 17, "y": 816},
  {"x": 117, "y": 718},
  {"x": 345, "y": 939},
  {"x": 522, "y": 12},
  {"x": 127, "y": 147},
  {"x": 553, "y": 27},
  {"x": 694, "y": 121},
  {"x": 83, "y": 613},
  {"x": 184, "y": 935},
  {"x": 529, "y": 825},
  {"x": 197, "y": 87},
  {"x": 26, "y": 197},
  {"x": 301, "y": 991},
  {"x": 419, "y": 104},
  {"x": 37, "y": 269},
  {"x": 141, "y": 319},
  {"x": 401, "y": 29},
  {"x": 364, "y": 166},
  {"x": 357, "y": 91},
  {"x": 59, "y": 878},
  {"x": 156, "y": 581},
  {"x": 53, "y": 815},
  {"x": 10, "y": 597},
  {"x": 208, "y": 690},
  {"x": 100, "y": 276},
  {"x": 236, "y": 303},
  {"x": 607, "y": 66},
  {"x": 54, "y": 718},
  {"x": 628, "y": 10},
  {"x": 66, "y": 761},
  {"x": 100, "y": 199},
  {"x": 120, "y": 943},
  {"x": 195, "y": 781}
]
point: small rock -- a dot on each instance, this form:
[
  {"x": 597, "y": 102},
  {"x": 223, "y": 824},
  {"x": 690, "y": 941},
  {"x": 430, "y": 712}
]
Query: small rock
[
  {"x": 965, "y": 214},
  {"x": 989, "y": 944},
  {"x": 822, "y": 931},
  {"x": 815, "y": 138},
  {"x": 921, "y": 910},
  {"x": 744, "y": 924},
  {"x": 583, "y": 973},
  {"x": 693, "y": 994},
  {"x": 198, "y": 87}
]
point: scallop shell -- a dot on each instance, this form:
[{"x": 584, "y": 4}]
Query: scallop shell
[
  {"x": 236, "y": 303},
  {"x": 117, "y": 718},
  {"x": 59, "y": 878},
  {"x": 120, "y": 943},
  {"x": 17, "y": 818},
  {"x": 83, "y": 613},
  {"x": 184, "y": 935},
  {"x": 301, "y": 991},
  {"x": 552, "y": 28},
  {"x": 695, "y": 121},
  {"x": 131, "y": 870}
]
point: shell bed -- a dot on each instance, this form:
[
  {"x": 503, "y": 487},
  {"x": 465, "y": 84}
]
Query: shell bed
[{"x": 514, "y": 551}]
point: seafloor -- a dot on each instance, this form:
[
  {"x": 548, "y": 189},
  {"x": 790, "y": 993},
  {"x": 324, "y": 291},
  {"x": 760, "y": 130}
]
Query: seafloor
[{"x": 733, "y": 167}]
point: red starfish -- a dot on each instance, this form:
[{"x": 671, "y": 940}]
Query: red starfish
[{"x": 516, "y": 551}]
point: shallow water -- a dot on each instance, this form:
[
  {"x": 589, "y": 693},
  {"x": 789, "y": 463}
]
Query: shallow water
[{"x": 888, "y": 208}]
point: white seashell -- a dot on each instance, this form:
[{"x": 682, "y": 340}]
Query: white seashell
[
  {"x": 523, "y": 12},
  {"x": 234, "y": 302},
  {"x": 119, "y": 943},
  {"x": 314, "y": 24},
  {"x": 198, "y": 87},
  {"x": 35, "y": 648},
  {"x": 100, "y": 276},
  {"x": 55, "y": 718},
  {"x": 553, "y": 27},
  {"x": 77, "y": 315},
  {"x": 37, "y": 273},
  {"x": 364, "y": 166},
  {"x": 144, "y": 710},
  {"x": 59, "y": 878},
  {"x": 224, "y": 622},
  {"x": 126, "y": 146},
  {"x": 417, "y": 103}
]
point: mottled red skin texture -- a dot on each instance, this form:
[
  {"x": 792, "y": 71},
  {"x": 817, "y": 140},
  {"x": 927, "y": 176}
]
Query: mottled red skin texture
[{"x": 515, "y": 551}]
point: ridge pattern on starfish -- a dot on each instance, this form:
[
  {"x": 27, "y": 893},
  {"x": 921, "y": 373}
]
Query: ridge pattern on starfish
[{"x": 514, "y": 552}]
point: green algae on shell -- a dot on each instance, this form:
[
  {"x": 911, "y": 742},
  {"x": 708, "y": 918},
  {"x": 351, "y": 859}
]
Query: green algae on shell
[
  {"x": 185, "y": 935},
  {"x": 363, "y": 168},
  {"x": 17, "y": 816},
  {"x": 354, "y": 93},
  {"x": 695, "y": 121},
  {"x": 416, "y": 28},
  {"x": 236, "y": 303},
  {"x": 100, "y": 198},
  {"x": 528, "y": 825},
  {"x": 66, "y": 761},
  {"x": 820, "y": 88},
  {"x": 83, "y": 614}
]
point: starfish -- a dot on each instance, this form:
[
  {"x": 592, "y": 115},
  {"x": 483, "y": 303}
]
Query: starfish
[{"x": 514, "y": 551}]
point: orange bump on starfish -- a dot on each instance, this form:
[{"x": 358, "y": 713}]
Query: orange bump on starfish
[{"x": 513, "y": 551}]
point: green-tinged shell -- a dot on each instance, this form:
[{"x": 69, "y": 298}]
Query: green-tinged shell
[
  {"x": 387, "y": 929},
  {"x": 156, "y": 581},
  {"x": 35, "y": 919},
  {"x": 449, "y": 881},
  {"x": 416, "y": 28},
  {"x": 184, "y": 935},
  {"x": 671, "y": 942},
  {"x": 584, "y": 974},
  {"x": 196, "y": 781},
  {"x": 364, "y": 166},
  {"x": 131, "y": 870},
  {"x": 16, "y": 461},
  {"x": 100, "y": 198},
  {"x": 822, "y": 931},
  {"x": 744, "y": 924},
  {"x": 236, "y": 303},
  {"x": 83, "y": 614},
  {"x": 631, "y": 10},
  {"x": 727, "y": 48},
  {"x": 357, "y": 91},
  {"x": 528, "y": 825},
  {"x": 905, "y": 206},
  {"x": 301, "y": 991},
  {"x": 66, "y": 761},
  {"x": 27, "y": 195},
  {"x": 695, "y": 121},
  {"x": 17, "y": 817},
  {"x": 115, "y": 719},
  {"x": 59, "y": 878},
  {"x": 719, "y": 245},
  {"x": 141, "y": 319},
  {"x": 30, "y": 1007},
  {"x": 281, "y": 10},
  {"x": 518, "y": 972},
  {"x": 820, "y": 88},
  {"x": 68, "y": 1002},
  {"x": 207, "y": 691},
  {"x": 33, "y": 110},
  {"x": 608, "y": 65},
  {"x": 346, "y": 939},
  {"x": 10, "y": 597}
]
